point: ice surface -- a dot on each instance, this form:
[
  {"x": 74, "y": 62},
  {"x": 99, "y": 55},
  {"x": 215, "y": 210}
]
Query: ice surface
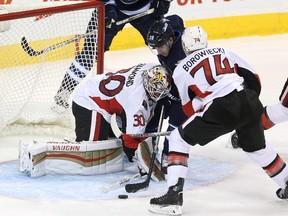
[{"x": 222, "y": 181}]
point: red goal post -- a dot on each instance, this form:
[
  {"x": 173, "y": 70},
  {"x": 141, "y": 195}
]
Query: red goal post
[{"x": 28, "y": 83}]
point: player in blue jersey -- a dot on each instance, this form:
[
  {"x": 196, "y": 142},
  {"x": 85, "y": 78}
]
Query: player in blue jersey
[
  {"x": 115, "y": 10},
  {"x": 164, "y": 39}
]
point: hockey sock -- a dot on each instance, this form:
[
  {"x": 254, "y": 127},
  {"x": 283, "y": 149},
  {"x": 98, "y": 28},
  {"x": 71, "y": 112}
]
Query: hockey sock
[
  {"x": 275, "y": 114},
  {"x": 177, "y": 167},
  {"x": 266, "y": 122},
  {"x": 272, "y": 164}
]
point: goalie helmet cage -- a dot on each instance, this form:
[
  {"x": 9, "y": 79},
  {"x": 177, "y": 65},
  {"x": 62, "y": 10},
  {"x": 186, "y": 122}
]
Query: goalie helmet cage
[{"x": 29, "y": 83}]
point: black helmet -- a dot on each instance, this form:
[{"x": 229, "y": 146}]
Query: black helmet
[{"x": 159, "y": 33}]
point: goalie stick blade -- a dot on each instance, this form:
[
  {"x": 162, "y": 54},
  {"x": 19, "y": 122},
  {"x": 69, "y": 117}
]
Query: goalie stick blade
[{"x": 141, "y": 186}]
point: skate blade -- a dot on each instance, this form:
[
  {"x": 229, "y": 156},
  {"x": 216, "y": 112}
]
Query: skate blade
[{"x": 166, "y": 210}]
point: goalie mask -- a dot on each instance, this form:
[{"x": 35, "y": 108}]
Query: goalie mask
[
  {"x": 157, "y": 82},
  {"x": 194, "y": 38},
  {"x": 159, "y": 33}
]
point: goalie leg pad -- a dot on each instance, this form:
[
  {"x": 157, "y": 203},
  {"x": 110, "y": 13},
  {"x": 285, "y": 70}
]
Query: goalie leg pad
[{"x": 144, "y": 156}]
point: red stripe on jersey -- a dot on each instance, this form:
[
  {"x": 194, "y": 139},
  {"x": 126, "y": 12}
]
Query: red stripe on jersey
[
  {"x": 266, "y": 122},
  {"x": 177, "y": 159},
  {"x": 198, "y": 92},
  {"x": 111, "y": 105},
  {"x": 275, "y": 167},
  {"x": 188, "y": 109}
]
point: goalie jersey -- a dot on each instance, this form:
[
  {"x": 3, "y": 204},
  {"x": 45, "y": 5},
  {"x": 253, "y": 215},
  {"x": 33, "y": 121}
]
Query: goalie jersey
[{"x": 120, "y": 92}]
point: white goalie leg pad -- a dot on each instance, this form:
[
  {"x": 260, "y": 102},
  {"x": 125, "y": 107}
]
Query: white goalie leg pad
[
  {"x": 27, "y": 150},
  {"x": 85, "y": 158},
  {"x": 25, "y": 160},
  {"x": 144, "y": 156},
  {"x": 166, "y": 210}
]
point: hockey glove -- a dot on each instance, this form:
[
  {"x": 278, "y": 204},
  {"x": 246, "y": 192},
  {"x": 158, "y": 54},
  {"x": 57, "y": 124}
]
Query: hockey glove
[
  {"x": 110, "y": 16},
  {"x": 130, "y": 144},
  {"x": 161, "y": 7}
]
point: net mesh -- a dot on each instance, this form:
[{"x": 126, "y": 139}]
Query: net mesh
[{"x": 31, "y": 82}]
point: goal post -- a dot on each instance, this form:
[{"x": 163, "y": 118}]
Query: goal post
[{"x": 56, "y": 32}]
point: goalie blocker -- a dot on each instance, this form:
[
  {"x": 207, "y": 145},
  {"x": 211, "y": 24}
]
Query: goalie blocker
[{"x": 74, "y": 158}]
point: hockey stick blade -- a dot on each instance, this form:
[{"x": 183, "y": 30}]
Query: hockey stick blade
[
  {"x": 28, "y": 49},
  {"x": 133, "y": 188}
]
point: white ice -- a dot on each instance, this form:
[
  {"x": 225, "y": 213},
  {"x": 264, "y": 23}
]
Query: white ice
[{"x": 223, "y": 181}]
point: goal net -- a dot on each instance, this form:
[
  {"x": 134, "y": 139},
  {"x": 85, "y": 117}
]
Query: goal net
[{"x": 38, "y": 43}]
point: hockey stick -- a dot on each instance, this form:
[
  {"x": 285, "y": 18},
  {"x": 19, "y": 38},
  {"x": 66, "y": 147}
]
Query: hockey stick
[
  {"x": 129, "y": 19},
  {"x": 118, "y": 133},
  {"x": 107, "y": 188},
  {"x": 132, "y": 188},
  {"x": 30, "y": 51}
]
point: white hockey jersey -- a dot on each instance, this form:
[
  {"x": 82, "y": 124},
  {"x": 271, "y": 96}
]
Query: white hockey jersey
[
  {"x": 120, "y": 92},
  {"x": 207, "y": 74}
]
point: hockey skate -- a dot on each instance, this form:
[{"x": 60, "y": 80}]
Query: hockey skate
[
  {"x": 144, "y": 155},
  {"x": 61, "y": 101},
  {"x": 234, "y": 140},
  {"x": 171, "y": 202},
  {"x": 283, "y": 193}
]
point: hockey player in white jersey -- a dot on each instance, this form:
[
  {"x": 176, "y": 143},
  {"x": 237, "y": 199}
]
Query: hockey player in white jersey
[
  {"x": 272, "y": 114},
  {"x": 129, "y": 93},
  {"x": 214, "y": 97}
]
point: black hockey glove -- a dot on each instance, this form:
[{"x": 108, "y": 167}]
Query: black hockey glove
[
  {"x": 110, "y": 16},
  {"x": 161, "y": 7}
]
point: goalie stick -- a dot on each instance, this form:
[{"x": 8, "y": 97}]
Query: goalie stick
[
  {"x": 132, "y": 188},
  {"x": 118, "y": 133},
  {"x": 107, "y": 188},
  {"x": 30, "y": 51}
]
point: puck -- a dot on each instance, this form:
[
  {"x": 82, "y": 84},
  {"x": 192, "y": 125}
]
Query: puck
[{"x": 122, "y": 196}]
